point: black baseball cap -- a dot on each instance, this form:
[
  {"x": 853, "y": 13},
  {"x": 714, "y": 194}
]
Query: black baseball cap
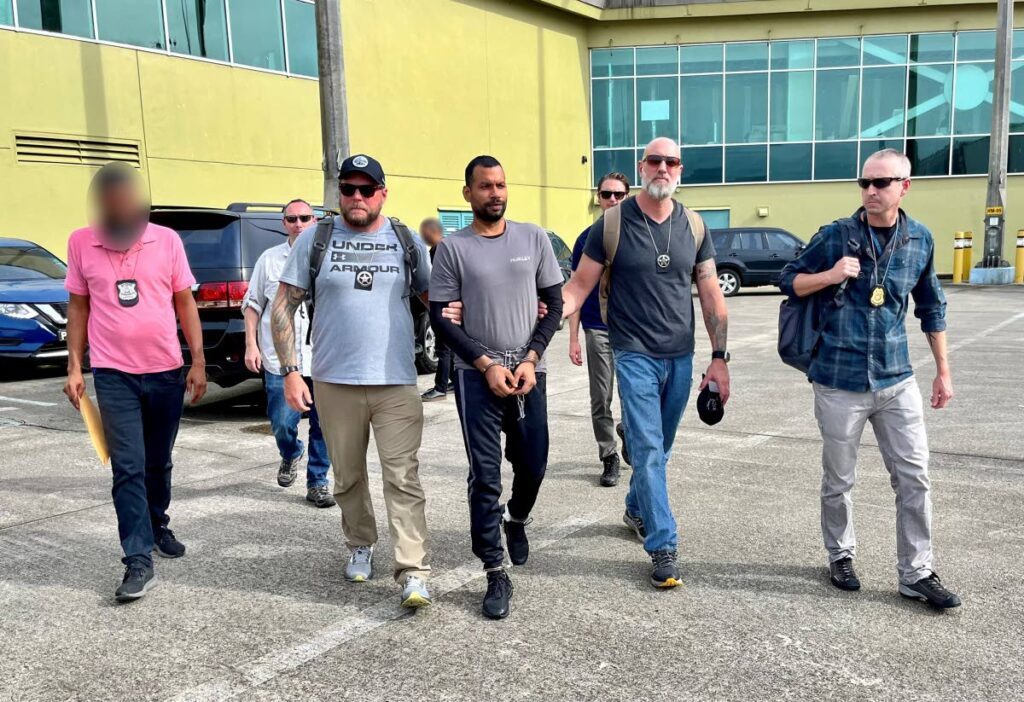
[
  {"x": 709, "y": 406},
  {"x": 361, "y": 163}
]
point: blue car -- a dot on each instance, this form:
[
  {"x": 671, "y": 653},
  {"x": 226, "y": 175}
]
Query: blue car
[{"x": 33, "y": 302}]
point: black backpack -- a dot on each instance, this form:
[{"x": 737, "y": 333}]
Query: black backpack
[{"x": 325, "y": 228}]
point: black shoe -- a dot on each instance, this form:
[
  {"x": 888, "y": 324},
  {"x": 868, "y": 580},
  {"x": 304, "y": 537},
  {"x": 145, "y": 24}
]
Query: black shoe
[
  {"x": 515, "y": 540},
  {"x": 842, "y": 574},
  {"x": 288, "y": 470},
  {"x": 610, "y": 476},
  {"x": 932, "y": 591},
  {"x": 138, "y": 580},
  {"x": 167, "y": 546},
  {"x": 666, "y": 572},
  {"x": 320, "y": 496},
  {"x": 451, "y": 386},
  {"x": 432, "y": 395},
  {"x": 622, "y": 437},
  {"x": 499, "y": 593},
  {"x": 634, "y": 522}
]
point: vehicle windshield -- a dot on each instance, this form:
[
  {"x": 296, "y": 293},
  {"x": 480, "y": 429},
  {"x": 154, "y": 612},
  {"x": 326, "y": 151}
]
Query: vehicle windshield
[{"x": 30, "y": 263}]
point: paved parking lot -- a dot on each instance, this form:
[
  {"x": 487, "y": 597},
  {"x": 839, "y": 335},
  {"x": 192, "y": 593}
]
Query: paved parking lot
[{"x": 258, "y": 608}]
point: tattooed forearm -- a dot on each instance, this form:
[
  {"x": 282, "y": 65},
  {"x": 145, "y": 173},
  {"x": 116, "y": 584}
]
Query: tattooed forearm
[
  {"x": 717, "y": 324},
  {"x": 706, "y": 270},
  {"x": 937, "y": 343},
  {"x": 282, "y": 321}
]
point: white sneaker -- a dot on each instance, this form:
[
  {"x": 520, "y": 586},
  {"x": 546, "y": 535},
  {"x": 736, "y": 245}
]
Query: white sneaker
[
  {"x": 415, "y": 594},
  {"x": 360, "y": 564}
]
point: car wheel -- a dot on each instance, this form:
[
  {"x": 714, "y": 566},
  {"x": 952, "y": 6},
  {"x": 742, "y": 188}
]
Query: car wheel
[
  {"x": 729, "y": 282},
  {"x": 426, "y": 360}
]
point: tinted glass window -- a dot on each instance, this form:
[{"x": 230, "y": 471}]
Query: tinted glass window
[
  {"x": 30, "y": 263},
  {"x": 136, "y": 22},
  {"x": 6, "y": 13},
  {"x": 748, "y": 241},
  {"x": 198, "y": 29},
  {"x": 63, "y": 16},
  {"x": 719, "y": 239},
  {"x": 211, "y": 240},
  {"x": 301, "y": 21},
  {"x": 777, "y": 241},
  {"x": 562, "y": 251},
  {"x": 256, "y": 34}
]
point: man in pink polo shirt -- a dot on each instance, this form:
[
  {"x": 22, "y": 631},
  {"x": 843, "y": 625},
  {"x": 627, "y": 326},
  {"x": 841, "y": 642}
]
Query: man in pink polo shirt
[{"x": 129, "y": 282}]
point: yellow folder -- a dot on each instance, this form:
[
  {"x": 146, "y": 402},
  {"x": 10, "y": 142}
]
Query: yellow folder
[{"x": 94, "y": 424}]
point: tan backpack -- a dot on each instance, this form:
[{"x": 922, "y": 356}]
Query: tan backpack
[{"x": 612, "y": 228}]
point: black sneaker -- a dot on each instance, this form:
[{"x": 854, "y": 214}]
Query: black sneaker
[
  {"x": 666, "y": 572},
  {"x": 842, "y": 575},
  {"x": 932, "y": 591},
  {"x": 288, "y": 470},
  {"x": 138, "y": 580},
  {"x": 610, "y": 476},
  {"x": 634, "y": 522},
  {"x": 320, "y": 496},
  {"x": 167, "y": 546},
  {"x": 622, "y": 437},
  {"x": 515, "y": 540},
  {"x": 432, "y": 395},
  {"x": 499, "y": 593}
]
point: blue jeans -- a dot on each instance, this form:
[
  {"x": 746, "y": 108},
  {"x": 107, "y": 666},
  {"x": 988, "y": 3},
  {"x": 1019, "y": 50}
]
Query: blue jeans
[
  {"x": 140, "y": 415},
  {"x": 654, "y": 393},
  {"x": 284, "y": 421}
]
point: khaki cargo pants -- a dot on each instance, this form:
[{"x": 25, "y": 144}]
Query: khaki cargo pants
[{"x": 396, "y": 414}]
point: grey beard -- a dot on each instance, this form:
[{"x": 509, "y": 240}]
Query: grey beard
[{"x": 658, "y": 191}]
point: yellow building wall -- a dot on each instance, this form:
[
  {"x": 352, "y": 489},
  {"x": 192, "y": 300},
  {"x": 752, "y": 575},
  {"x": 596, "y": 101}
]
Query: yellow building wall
[
  {"x": 944, "y": 205},
  {"x": 431, "y": 85}
]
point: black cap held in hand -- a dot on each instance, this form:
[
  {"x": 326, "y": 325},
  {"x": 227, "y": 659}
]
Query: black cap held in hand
[
  {"x": 361, "y": 163},
  {"x": 709, "y": 405}
]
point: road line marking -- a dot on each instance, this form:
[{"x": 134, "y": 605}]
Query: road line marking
[
  {"x": 7, "y": 409},
  {"x": 268, "y": 667},
  {"x": 28, "y": 402},
  {"x": 970, "y": 340}
]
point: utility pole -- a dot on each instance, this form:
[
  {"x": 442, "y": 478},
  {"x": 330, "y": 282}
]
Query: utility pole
[
  {"x": 999, "y": 144},
  {"x": 333, "y": 112}
]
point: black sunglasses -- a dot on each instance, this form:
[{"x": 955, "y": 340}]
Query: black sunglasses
[
  {"x": 367, "y": 191},
  {"x": 670, "y": 161},
  {"x": 879, "y": 183},
  {"x": 292, "y": 219},
  {"x": 609, "y": 194}
]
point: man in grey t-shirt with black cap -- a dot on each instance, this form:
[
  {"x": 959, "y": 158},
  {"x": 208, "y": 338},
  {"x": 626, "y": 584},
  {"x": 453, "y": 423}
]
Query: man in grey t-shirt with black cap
[{"x": 498, "y": 269}]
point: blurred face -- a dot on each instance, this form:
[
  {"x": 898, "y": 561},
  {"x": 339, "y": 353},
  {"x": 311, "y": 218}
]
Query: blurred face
[
  {"x": 610, "y": 193},
  {"x": 298, "y": 216},
  {"x": 121, "y": 214},
  {"x": 661, "y": 168},
  {"x": 879, "y": 198},
  {"x": 362, "y": 207},
  {"x": 431, "y": 234},
  {"x": 487, "y": 195}
]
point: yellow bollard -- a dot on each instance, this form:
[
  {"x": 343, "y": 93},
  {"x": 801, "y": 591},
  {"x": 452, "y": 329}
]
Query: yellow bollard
[
  {"x": 1018, "y": 276},
  {"x": 958, "y": 258},
  {"x": 968, "y": 252}
]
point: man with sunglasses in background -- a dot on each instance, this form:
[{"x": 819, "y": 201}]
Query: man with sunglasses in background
[
  {"x": 651, "y": 331},
  {"x": 612, "y": 190},
  {"x": 259, "y": 353},
  {"x": 364, "y": 370},
  {"x": 861, "y": 370}
]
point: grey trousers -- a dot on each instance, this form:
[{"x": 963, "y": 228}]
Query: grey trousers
[
  {"x": 601, "y": 369},
  {"x": 897, "y": 417}
]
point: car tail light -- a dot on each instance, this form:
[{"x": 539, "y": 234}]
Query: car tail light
[{"x": 213, "y": 295}]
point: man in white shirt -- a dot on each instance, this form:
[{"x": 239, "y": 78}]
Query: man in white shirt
[{"x": 259, "y": 352}]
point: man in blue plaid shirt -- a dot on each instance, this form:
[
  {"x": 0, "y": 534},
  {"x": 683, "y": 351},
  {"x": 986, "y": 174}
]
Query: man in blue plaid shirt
[{"x": 861, "y": 370}]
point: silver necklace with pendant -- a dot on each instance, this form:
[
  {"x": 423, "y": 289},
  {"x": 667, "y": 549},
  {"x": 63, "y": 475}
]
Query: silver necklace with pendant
[{"x": 663, "y": 259}]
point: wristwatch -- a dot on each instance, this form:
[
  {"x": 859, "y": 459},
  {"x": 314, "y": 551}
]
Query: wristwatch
[
  {"x": 721, "y": 355},
  {"x": 287, "y": 370}
]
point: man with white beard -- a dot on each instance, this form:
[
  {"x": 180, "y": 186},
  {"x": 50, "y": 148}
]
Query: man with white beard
[{"x": 661, "y": 249}]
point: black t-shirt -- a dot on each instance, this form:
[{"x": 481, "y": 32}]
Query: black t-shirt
[{"x": 650, "y": 312}]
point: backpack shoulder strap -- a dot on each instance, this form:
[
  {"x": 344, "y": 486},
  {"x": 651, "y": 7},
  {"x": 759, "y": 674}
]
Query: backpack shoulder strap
[
  {"x": 316, "y": 256},
  {"x": 409, "y": 252},
  {"x": 612, "y": 229},
  {"x": 697, "y": 227}
]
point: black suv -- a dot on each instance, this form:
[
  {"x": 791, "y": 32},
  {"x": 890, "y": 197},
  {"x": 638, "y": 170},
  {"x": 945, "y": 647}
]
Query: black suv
[
  {"x": 222, "y": 247},
  {"x": 752, "y": 256}
]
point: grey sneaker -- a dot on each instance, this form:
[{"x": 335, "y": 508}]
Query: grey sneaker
[
  {"x": 320, "y": 496},
  {"x": 360, "y": 564},
  {"x": 415, "y": 594},
  {"x": 432, "y": 395},
  {"x": 288, "y": 470},
  {"x": 138, "y": 580},
  {"x": 634, "y": 522}
]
